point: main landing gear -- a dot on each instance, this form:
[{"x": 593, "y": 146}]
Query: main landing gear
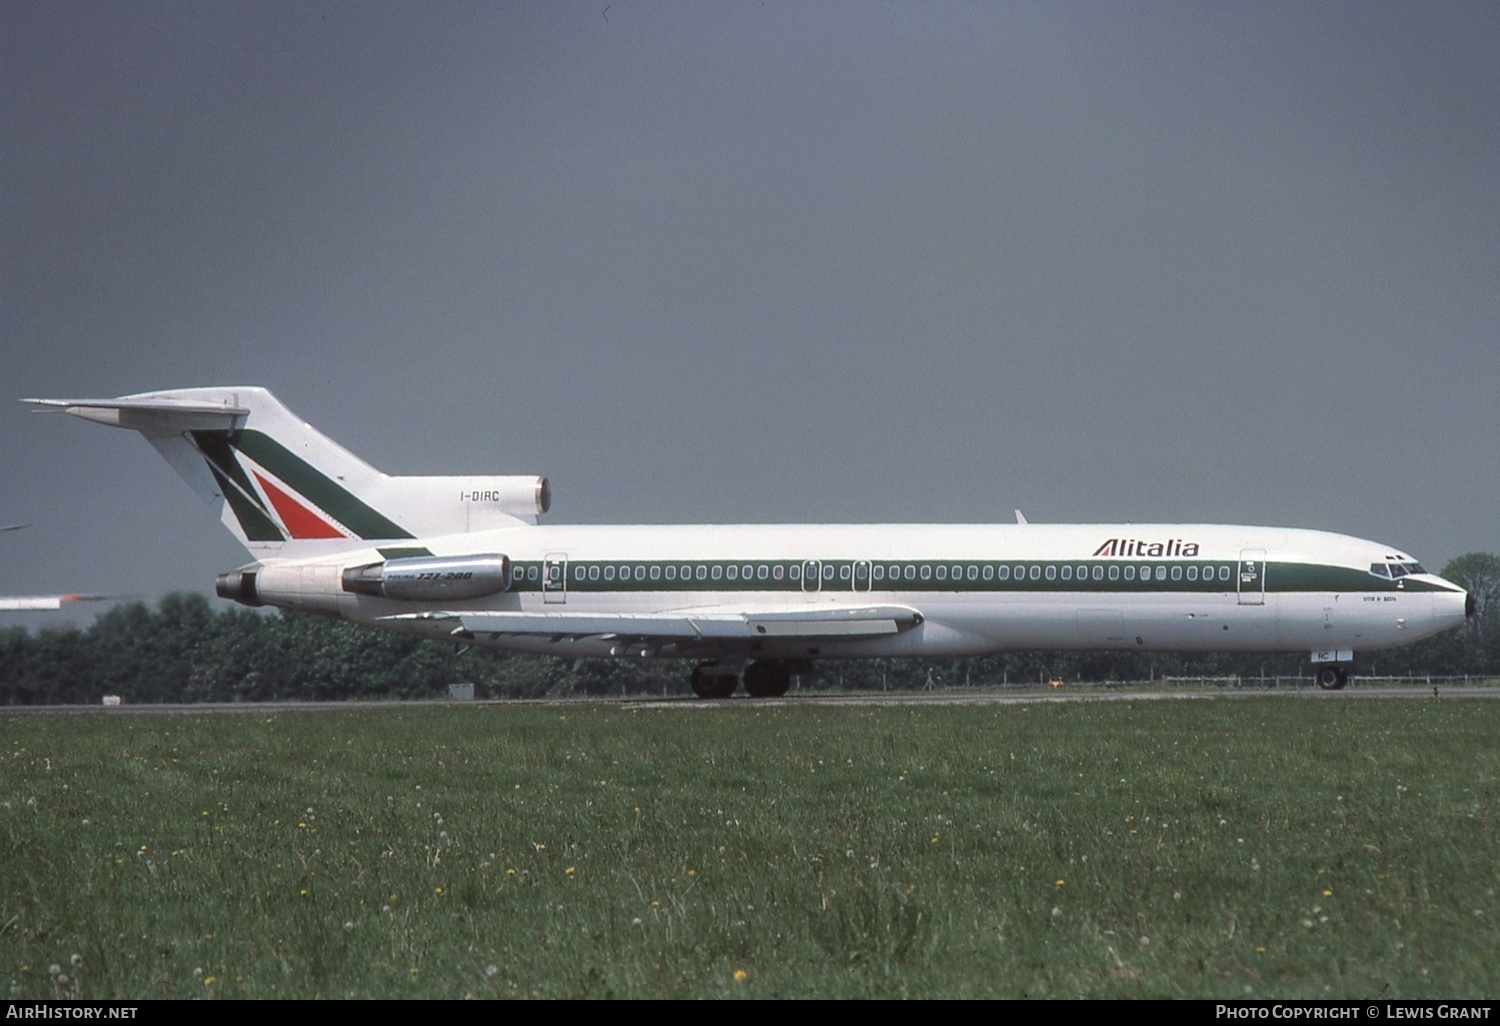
[
  {"x": 1332, "y": 678},
  {"x": 764, "y": 678}
]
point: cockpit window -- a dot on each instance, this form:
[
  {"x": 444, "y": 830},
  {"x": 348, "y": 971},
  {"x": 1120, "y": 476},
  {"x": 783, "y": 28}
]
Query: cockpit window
[
  {"x": 1379, "y": 570},
  {"x": 1415, "y": 568},
  {"x": 1398, "y": 570}
]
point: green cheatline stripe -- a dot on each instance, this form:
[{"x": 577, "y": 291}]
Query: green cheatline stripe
[
  {"x": 404, "y": 553},
  {"x": 1281, "y": 578},
  {"x": 338, "y": 503}
]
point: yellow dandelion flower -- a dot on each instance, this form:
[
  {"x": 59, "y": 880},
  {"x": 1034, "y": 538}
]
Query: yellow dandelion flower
[
  {"x": 209, "y": 981},
  {"x": 692, "y": 872},
  {"x": 1060, "y": 882},
  {"x": 569, "y": 870},
  {"x": 740, "y": 974},
  {"x": 303, "y": 892},
  {"x": 1327, "y": 893},
  {"x": 437, "y": 890}
]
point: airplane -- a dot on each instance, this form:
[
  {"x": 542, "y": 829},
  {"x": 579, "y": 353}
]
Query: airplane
[
  {"x": 12, "y": 603},
  {"x": 464, "y": 558}
]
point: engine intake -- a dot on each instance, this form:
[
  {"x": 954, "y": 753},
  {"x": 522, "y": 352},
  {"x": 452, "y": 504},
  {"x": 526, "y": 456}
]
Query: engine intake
[{"x": 431, "y": 578}]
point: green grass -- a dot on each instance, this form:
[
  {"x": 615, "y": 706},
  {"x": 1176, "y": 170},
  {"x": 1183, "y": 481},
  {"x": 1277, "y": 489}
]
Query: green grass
[{"x": 1262, "y": 847}]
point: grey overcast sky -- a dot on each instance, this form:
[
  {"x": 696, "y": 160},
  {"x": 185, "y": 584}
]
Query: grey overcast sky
[{"x": 1230, "y": 262}]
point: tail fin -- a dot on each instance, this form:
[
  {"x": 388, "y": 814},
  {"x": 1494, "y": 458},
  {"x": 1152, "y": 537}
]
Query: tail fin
[{"x": 285, "y": 489}]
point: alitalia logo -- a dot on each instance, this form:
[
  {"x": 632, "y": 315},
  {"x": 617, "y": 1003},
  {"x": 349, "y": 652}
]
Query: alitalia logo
[{"x": 1136, "y": 547}]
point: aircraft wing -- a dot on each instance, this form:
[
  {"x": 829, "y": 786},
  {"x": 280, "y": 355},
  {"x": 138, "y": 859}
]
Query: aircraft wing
[{"x": 688, "y": 625}]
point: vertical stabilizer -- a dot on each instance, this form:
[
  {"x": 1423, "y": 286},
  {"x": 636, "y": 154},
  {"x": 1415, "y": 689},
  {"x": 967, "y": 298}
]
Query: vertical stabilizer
[{"x": 284, "y": 488}]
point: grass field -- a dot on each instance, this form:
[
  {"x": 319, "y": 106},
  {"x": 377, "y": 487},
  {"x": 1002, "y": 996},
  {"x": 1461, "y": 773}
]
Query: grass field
[{"x": 1260, "y": 847}]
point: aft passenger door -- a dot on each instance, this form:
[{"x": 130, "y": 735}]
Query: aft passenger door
[{"x": 555, "y": 578}]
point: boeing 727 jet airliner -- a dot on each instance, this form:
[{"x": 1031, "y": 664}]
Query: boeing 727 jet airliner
[{"x": 463, "y": 558}]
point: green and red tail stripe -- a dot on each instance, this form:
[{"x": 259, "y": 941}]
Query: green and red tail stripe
[{"x": 307, "y": 504}]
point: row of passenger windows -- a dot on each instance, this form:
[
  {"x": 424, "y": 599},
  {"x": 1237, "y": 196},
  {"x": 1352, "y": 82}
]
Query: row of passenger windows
[{"x": 894, "y": 572}]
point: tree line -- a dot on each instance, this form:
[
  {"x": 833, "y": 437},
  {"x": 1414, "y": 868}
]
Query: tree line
[{"x": 185, "y": 650}]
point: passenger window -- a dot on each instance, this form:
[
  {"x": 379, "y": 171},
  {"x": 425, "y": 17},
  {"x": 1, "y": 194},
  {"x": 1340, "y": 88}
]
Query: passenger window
[
  {"x": 827, "y": 572},
  {"x": 1161, "y": 572},
  {"x": 1067, "y": 573},
  {"x": 1051, "y": 572},
  {"x": 1003, "y": 572},
  {"x": 1129, "y": 573},
  {"x": 655, "y": 572},
  {"x": 594, "y": 572},
  {"x": 911, "y": 572},
  {"x": 716, "y": 571},
  {"x": 878, "y": 571},
  {"x": 942, "y": 573},
  {"x": 1114, "y": 571},
  {"x": 1224, "y": 573},
  {"x": 1177, "y": 573},
  {"x": 1192, "y": 573},
  {"x": 843, "y": 573},
  {"x": 926, "y": 571},
  {"x": 671, "y": 572},
  {"x": 776, "y": 571},
  {"x": 702, "y": 573},
  {"x": 795, "y": 573},
  {"x": 732, "y": 572},
  {"x": 973, "y": 573},
  {"x": 1036, "y": 573},
  {"x": 609, "y": 573},
  {"x": 1098, "y": 573},
  {"x": 989, "y": 571}
]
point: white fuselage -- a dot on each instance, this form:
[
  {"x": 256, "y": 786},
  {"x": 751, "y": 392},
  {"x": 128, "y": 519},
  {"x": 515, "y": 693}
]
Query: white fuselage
[{"x": 978, "y": 589}]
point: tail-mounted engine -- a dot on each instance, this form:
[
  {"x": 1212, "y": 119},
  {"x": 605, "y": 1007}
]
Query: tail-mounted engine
[
  {"x": 317, "y": 587},
  {"x": 431, "y": 578}
]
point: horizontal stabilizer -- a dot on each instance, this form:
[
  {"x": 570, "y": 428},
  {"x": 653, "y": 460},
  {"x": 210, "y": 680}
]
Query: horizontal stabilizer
[{"x": 149, "y": 414}]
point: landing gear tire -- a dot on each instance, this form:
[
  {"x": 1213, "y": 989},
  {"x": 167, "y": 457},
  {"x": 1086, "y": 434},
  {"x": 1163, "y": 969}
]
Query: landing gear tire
[
  {"x": 707, "y": 684},
  {"x": 1332, "y": 678},
  {"x": 768, "y": 678}
]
